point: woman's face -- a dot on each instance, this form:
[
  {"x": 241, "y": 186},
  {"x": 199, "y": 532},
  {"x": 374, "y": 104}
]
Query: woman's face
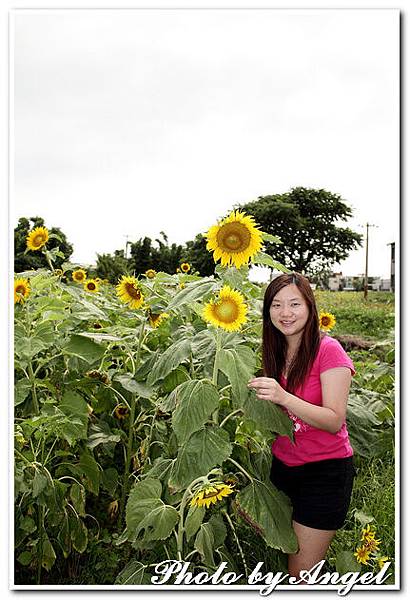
[{"x": 289, "y": 311}]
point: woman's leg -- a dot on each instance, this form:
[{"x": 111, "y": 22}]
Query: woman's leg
[{"x": 313, "y": 545}]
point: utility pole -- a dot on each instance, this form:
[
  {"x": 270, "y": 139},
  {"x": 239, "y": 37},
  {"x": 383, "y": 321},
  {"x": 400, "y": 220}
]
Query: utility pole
[{"x": 366, "y": 270}]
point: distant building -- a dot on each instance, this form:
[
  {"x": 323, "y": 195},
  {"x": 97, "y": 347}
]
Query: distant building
[{"x": 336, "y": 282}]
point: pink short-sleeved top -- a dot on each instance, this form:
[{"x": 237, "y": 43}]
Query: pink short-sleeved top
[{"x": 312, "y": 444}]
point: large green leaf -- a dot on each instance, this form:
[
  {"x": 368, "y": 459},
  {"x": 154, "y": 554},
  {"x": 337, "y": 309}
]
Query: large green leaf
[
  {"x": 147, "y": 489},
  {"x": 133, "y": 386},
  {"x": 265, "y": 259},
  {"x": 268, "y": 416},
  {"x": 132, "y": 574},
  {"x": 204, "y": 450},
  {"x": 100, "y": 433},
  {"x": 84, "y": 348},
  {"x": 74, "y": 407},
  {"x": 193, "y": 520},
  {"x": 158, "y": 522},
  {"x": 269, "y": 512},
  {"x": 238, "y": 364},
  {"x": 173, "y": 356},
  {"x": 89, "y": 467},
  {"x": 195, "y": 401},
  {"x": 204, "y": 543},
  {"x": 193, "y": 291},
  {"x": 21, "y": 390},
  {"x": 362, "y": 425}
]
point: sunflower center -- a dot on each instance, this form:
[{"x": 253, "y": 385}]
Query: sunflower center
[
  {"x": 325, "y": 321},
  {"x": 20, "y": 289},
  {"x": 133, "y": 291},
  {"x": 91, "y": 286},
  {"x": 226, "y": 311},
  {"x": 234, "y": 237},
  {"x": 38, "y": 240}
]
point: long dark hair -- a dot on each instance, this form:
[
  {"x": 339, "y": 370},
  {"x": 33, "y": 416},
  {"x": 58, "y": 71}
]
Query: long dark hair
[{"x": 274, "y": 343}]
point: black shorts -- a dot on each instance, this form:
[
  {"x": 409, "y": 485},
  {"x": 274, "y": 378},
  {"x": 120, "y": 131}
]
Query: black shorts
[{"x": 319, "y": 491}]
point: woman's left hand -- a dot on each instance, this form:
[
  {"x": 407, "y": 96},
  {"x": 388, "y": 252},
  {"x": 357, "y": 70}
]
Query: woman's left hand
[{"x": 268, "y": 389}]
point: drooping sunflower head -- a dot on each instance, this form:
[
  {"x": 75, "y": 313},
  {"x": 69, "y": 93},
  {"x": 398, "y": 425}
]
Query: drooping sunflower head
[
  {"x": 37, "y": 238},
  {"x": 150, "y": 273},
  {"x": 21, "y": 290},
  {"x": 129, "y": 291},
  {"x": 210, "y": 494},
  {"x": 79, "y": 275},
  {"x": 91, "y": 285},
  {"x": 121, "y": 411},
  {"x": 185, "y": 267},
  {"x": 381, "y": 560},
  {"x": 234, "y": 240},
  {"x": 228, "y": 310},
  {"x": 326, "y": 321}
]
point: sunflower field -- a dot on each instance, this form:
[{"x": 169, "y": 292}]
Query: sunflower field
[{"x": 137, "y": 439}]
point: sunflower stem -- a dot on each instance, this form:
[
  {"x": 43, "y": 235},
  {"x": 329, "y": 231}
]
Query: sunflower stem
[
  {"x": 33, "y": 387},
  {"x": 48, "y": 259},
  {"x": 181, "y": 527},
  {"x": 215, "y": 414},
  {"x": 228, "y": 518},
  {"x": 133, "y": 405},
  {"x": 240, "y": 468},
  {"x": 234, "y": 412}
]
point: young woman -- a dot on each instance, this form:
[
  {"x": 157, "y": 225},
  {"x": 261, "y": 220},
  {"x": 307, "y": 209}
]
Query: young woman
[{"x": 308, "y": 374}]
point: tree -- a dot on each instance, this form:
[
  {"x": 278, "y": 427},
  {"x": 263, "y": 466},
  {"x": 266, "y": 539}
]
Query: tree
[
  {"x": 112, "y": 267},
  {"x": 33, "y": 260},
  {"x": 162, "y": 258},
  {"x": 199, "y": 257},
  {"x": 306, "y": 220}
]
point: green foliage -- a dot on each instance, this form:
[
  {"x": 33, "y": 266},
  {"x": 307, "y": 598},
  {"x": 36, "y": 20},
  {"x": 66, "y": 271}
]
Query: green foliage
[
  {"x": 32, "y": 260},
  {"x": 112, "y": 267},
  {"x": 306, "y": 220},
  {"x": 162, "y": 257},
  {"x": 101, "y": 499}
]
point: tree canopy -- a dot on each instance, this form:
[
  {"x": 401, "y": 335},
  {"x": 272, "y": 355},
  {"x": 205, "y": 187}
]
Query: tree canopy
[
  {"x": 308, "y": 222},
  {"x": 35, "y": 259}
]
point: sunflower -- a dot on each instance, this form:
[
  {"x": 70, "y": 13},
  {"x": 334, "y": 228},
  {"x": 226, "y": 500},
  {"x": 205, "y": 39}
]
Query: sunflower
[
  {"x": 91, "y": 285},
  {"x": 326, "y": 321},
  {"x": 372, "y": 545},
  {"x": 367, "y": 534},
  {"x": 150, "y": 273},
  {"x": 21, "y": 290},
  {"x": 59, "y": 272},
  {"x": 129, "y": 291},
  {"x": 155, "y": 319},
  {"x": 210, "y": 494},
  {"x": 381, "y": 560},
  {"x": 362, "y": 555},
  {"x": 227, "y": 311},
  {"x": 185, "y": 267},
  {"x": 37, "y": 238},
  {"x": 79, "y": 275},
  {"x": 234, "y": 240},
  {"x": 121, "y": 411}
]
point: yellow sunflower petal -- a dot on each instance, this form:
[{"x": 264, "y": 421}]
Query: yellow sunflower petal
[
  {"x": 37, "y": 238},
  {"x": 79, "y": 275},
  {"x": 21, "y": 290},
  {"x": 91, "y": 285},
  {"x": 129, "y": 292},
  {"x": 234, "y": 240},
  {"x": 326, "y": 321},
  {"x": 228, "y": 311}
]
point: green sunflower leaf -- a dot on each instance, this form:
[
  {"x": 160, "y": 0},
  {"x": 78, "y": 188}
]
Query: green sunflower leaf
[
  {"x": 269, "y": 513},
  {"x": 205, "y": 449},
  {"x": 195, "y": 401}
]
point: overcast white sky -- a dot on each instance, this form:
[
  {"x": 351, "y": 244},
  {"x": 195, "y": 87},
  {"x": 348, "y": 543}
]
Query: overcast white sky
[{"x": 129, "y": 122}]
